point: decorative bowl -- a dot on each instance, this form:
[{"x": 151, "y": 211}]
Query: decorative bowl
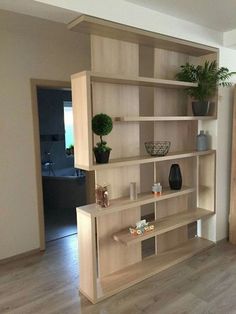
[{"x": 157, "y": 148}]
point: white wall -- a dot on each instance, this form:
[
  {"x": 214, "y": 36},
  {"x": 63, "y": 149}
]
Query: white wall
[
  {"x": 224, "y": 138},
  {"x": 30, "y": 48}
]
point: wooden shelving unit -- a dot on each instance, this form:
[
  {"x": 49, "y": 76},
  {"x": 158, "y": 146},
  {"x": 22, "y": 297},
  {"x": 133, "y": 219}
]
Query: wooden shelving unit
[{"x": 132, "y": 79}]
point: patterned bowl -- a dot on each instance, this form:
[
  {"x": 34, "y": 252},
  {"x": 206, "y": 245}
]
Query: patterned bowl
[{"x": 157, "y": 148}]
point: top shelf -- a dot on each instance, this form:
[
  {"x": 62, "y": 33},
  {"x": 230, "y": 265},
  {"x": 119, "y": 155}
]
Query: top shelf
[
  {"x": 96, "y": 26},
  {"x": 132, "y": 80}
]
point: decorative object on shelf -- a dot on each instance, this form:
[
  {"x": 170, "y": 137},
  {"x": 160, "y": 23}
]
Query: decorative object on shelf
[
  {"x": 157, "y": 148},
  {"x": 202, "y": 141},
  {"x": 70, "y": 150},
  {"x": 142, "y": 226},
  {"x": 208, "y": 77},
  {"x": 175, "y": 177},
  {"x": 102, "y": 125},
  {"x": 133, "y": 191},
  {"x": 157, "y": 189},
  {"x": 102, "y": 197}
]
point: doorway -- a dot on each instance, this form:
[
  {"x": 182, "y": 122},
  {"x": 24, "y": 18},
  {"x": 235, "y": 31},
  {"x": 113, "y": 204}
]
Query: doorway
[{"x": 61, "y": 187}]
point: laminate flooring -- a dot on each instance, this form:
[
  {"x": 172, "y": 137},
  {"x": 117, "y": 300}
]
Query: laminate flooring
[{"x": 48, "y": 284}]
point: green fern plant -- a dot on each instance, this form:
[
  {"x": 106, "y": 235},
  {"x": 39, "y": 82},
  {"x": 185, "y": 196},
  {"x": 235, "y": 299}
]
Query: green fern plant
[{"x": 208, "y": 77}]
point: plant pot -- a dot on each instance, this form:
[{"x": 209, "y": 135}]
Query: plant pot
[
  {"x": 200, "y": 108},
  {"x": 175, "y": 177},
  {"x": 102, "y": 157}
]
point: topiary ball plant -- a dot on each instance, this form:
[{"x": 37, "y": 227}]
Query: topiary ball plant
[{"x": 101, "y": 126}]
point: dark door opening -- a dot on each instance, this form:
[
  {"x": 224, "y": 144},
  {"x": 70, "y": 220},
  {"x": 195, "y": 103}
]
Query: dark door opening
[{"x": 63, "y": 185}]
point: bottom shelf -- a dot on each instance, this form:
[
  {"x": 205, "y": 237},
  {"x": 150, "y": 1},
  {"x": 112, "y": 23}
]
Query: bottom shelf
[{"x": 135, "y": 273}]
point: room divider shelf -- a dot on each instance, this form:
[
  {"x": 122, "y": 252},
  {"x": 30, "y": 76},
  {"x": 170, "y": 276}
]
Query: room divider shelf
[
  {"x": 122, "y": 203},
  {"x": 117, "y": 84},
  {"x": 163, "y": 225},
  {"x": 150, "y": 266},
  {"x": 161, "y": 118}
]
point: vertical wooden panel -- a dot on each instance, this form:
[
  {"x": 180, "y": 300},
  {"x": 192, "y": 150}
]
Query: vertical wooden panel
[
  {"x": 206, "y": 193},
  {"x": 181, "y": 134},
  {"x": 87, "y": 255},
  {"x": 146, "y": 108},
  {"x": 81, "y": 100},
  {"x": 117, "y": 57}
]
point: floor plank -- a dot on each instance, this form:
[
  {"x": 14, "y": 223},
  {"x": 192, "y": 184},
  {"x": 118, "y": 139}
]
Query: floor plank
[{"x": 48, "y": 284}]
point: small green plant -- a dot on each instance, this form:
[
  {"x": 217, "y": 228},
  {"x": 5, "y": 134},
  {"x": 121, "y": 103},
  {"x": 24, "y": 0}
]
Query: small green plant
[
  {"x": 208, "y": 77},
  {"x": 102, "y": 125}
]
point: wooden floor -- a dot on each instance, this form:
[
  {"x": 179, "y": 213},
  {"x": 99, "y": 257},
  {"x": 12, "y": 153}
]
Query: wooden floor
[{"x": 48, "y": 283}]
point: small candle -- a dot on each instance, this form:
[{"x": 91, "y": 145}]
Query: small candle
[{"x": 133, "y": 191}]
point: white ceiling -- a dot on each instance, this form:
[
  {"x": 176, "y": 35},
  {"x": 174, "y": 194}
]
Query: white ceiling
[
  {"x": 219, "y": 15},
  {"x": 215, "y": 14},
  {"x": 40, "y": 10}
]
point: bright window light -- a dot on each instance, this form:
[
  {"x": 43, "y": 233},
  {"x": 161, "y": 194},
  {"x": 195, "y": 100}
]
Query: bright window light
[{"x": 68, "y": 122}]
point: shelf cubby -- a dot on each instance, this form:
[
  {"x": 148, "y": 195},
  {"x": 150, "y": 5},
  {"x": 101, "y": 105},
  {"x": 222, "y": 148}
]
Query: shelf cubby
[{"x": 127, "y": 277}]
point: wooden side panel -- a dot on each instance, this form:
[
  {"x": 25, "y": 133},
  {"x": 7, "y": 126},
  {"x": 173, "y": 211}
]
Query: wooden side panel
[
  {"x": 87, "y": 255},
  {"x": 232, "y": 217},
  {"x": 120, "y": 58},
  {"x": 206, "y": 192},
  {"x": 81, "y": 99}
]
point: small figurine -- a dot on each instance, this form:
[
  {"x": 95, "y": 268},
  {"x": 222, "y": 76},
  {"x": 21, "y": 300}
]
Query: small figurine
[
  {"x": 141, "y": 227},
  {"x": 102, "y": 197}
]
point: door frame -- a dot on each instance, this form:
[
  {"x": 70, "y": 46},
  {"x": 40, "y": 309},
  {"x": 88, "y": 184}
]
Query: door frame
[{"x": 50, "y": 84}]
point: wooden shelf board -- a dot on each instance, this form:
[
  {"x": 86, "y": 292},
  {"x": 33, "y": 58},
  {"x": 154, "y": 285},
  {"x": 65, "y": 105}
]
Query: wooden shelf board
[
  {"x": 135, "y": 273},
  {"x": 92, "y": 25},
  {"x": 163, "y": 225},
  {"x": 162, "y": 118},
  {"x": 132, "y": 80},
  {"x": 140, "y": 81},
  {"x": 138, "y": 160},
  {"x": 125, "y": 202}
]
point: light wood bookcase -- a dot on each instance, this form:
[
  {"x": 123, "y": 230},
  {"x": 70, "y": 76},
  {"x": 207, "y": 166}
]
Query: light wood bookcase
[{"x": 132, "y": 79}]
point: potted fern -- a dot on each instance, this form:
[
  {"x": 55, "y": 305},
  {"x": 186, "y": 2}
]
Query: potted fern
[
  {"x": 208, "y": 77},
  {"x": 101, "y": 126}
]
